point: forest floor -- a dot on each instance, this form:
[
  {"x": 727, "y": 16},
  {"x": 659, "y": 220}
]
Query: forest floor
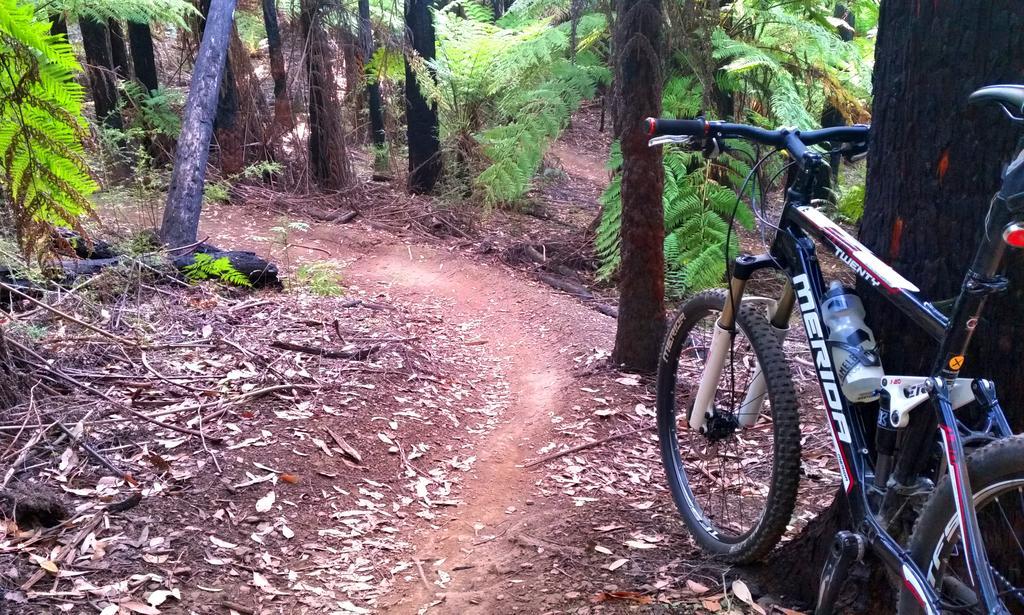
[{"x": 468, "y": 449}]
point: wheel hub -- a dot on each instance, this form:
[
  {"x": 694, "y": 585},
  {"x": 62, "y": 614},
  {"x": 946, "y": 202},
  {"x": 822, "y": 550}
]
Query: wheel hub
[{"x": 720, "y": 425}]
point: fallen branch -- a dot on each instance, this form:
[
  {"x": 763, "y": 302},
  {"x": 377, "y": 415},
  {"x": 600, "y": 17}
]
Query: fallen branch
[
  {"x": 359, "y": 354},
  {"x": 579, "y": 291},
  {"x": 586, "y": 445}
]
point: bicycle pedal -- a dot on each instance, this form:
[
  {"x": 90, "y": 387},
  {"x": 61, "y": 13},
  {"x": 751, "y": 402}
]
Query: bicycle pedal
[{"x": 847, "y": 548}]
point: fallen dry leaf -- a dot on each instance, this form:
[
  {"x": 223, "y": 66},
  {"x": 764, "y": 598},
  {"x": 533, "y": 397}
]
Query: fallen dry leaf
[
  {"x": 266, "y": 502},
  {"x": 137, "y": 607},
  {"x": 222, "y": 543},
  {"x": 617, "y": 564},
  {"x": 636, "y": 597},
  {"x": 740, "y": 589},
  {"x": 696, "y": 587}
]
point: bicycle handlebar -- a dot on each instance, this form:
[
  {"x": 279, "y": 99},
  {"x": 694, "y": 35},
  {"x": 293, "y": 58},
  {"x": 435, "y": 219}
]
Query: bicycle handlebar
[{"x": 796, "y": 141}]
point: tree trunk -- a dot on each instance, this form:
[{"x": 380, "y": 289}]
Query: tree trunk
[
  {"x": 423, "y": 128},
  {"x": 241, "y": 109},
  {"x": 282, "y": 105},
  {"x": 355, "y": 93},
  {"x": 118, "y": 49},
  {"x": 377, "y": 134},
  {"x": 328, "y": 157},
  {"x": 58, "y": 25},
  {"x": 140, "y": 41},
  {"x": 638, "y": 81},
  {"x": 185, "y": 196},
  {"x": 98, "y": 55},
  {"x": 933, "y": 165}
]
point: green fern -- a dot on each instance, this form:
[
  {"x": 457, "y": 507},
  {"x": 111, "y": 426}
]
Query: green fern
[
  {"x": 44, "y": 173},
  {"x": 509, "y": 90},
  {"x": 789, "y": 62},
  {"x": 139, "y": 11},
  {"x": 206, "y": 267}
]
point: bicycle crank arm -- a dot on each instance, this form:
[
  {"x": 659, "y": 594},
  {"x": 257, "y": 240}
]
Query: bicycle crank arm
[{"x": 847, "y": 548}]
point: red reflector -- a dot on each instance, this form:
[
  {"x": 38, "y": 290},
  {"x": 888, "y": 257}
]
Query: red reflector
[{"x": 1014, "y": 235}]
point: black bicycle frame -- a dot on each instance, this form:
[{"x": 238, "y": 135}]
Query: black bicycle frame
[{"x": 794, "y": 251}]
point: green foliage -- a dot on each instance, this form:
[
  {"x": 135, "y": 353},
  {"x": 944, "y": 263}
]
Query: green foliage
[
  {"x": 152, "y": 113},
  {"x": 206, "y": 267},
  {"x": 851, "y": 203},
  {"x": 44, "y": 173},
  {"x": 217, "y": 192},
  {"x": 506, "y": 92},
  {"x": 788, "y": 61},
  {"x": 699, "y": 202},
  {"x": 251, "y": 29},
  {"x": 320, "y": 279},
  {"x": 139, "y": 11},
  {"x": 262, "y": 169}
]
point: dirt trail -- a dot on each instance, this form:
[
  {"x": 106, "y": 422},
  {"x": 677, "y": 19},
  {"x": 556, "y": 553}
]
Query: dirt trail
[
  {"x": 533, "y": 333},
  {"x": 537, "y": 378}
]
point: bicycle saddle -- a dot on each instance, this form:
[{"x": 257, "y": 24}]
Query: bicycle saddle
[{"x": 1011, "y": 97}]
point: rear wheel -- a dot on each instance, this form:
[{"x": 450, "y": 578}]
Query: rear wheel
[
  {"x": 734, "y": 486},
  {"x": 997, "y": 479}
]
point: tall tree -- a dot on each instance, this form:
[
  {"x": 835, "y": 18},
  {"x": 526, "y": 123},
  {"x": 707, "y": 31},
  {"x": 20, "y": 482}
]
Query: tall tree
[
  {"x": 101, "y": 70},
  {"x": 185, "y": 196},
  {"x": 367, "y": 46},
  {"x": 421, "y": 115},
  {"x": 282, "y": 104},
  {"x": 934, "y": 163},
  {"x": 118, "y": 49},
  {"x": 638, "y": 82},
  {"x": 328, "y": 157},
  {"x": 140, "y": 41}
]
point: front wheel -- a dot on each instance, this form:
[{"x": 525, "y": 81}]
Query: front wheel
[
  {"x": 997, "y": 479},
  {"x": 734, "y": 480}
]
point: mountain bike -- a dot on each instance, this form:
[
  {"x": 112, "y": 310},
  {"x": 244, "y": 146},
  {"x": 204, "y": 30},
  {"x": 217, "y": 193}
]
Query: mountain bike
[{"x": 931, "y": 456}]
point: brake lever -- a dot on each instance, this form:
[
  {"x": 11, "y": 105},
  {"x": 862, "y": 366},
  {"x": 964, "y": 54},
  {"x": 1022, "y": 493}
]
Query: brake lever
[{"x": 666, "y": 139}]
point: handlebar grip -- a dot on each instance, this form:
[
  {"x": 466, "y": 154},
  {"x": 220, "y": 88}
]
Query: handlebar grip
[{"x": 691, "y": 128}]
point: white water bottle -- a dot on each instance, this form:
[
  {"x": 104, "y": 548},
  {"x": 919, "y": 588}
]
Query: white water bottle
[{"x": 852, "y": 344}]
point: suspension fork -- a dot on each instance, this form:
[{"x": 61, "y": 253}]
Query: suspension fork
[
  {"x": 778, "y": 318},
  {"x": 721, "y": 342}
]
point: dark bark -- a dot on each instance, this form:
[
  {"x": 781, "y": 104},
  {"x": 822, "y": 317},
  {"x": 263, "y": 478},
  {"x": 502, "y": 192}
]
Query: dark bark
[
  {"x": 374, "y": 103},
  {"x": 933, "y": 165},
  {"x": 10, "y": 376},
  {"x": 423, "y": 127},
  {"x": 355, "y": 93},
  {"x": 638, "y": 82},
  {"x": 328, "y": 156},
  {"x": 240, "y": 124},
  {"x": 118, "y": 49},
  {"x": 261, "y": 273},
  {"x": 185, "y": 196},
  {"x": 99, "y": 57},
  {"x": 282, "y": 104},
  {"x": 228, "y": 125},
  {"x": 58, "y": 25},
  {"x": 499, "y": 8},
  {"x": 140, "y": 41}
]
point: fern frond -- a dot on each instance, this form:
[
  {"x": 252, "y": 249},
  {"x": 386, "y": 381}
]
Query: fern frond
[{"x": 44, "y": 171}]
